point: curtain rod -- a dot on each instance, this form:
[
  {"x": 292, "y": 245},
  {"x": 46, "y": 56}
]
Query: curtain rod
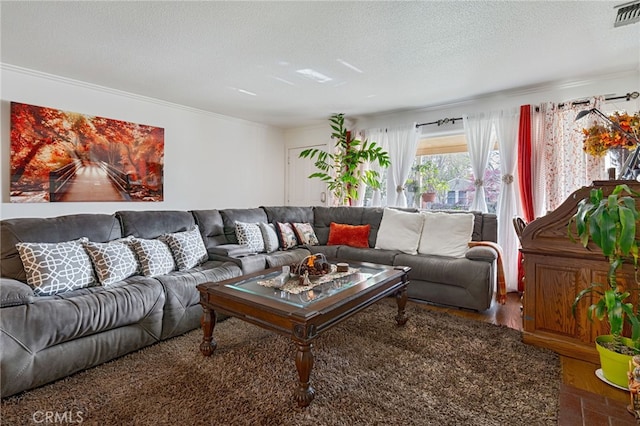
[
  {"x": 440, "y": 122},
  {"x": 628, "y": 97}
]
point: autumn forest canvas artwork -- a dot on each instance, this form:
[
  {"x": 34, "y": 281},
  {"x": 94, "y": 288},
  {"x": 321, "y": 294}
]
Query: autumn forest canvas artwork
[{"x": 67, "y": 156}]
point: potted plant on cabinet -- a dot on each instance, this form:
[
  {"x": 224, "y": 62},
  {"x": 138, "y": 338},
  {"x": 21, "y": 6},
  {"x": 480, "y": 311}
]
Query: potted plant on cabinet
[
  {"x": 610, "y": 223},
  {"x": 343, "y": 169}
]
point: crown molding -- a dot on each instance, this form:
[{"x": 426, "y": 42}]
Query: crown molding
[
  {"x": 514, "y": 92},
  {"x": 122, "y": 93}
]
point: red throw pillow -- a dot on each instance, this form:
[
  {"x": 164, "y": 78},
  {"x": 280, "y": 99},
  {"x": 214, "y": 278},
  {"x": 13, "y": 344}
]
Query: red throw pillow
[{"x": 350, "y": 235}]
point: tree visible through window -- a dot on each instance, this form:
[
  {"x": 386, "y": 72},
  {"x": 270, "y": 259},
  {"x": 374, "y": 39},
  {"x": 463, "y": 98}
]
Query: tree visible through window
[{"x": 444, "y": 181}]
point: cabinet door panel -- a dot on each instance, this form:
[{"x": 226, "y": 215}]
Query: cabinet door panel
[{"x": 553, "y": 284}]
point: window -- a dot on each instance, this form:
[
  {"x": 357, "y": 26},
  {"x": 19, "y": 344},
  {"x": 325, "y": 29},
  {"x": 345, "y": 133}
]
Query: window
[{"x": 441, "y": 177}]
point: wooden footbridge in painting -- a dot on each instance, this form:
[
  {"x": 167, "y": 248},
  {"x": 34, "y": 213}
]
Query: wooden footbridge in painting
[{"x": 88, "y": 181}]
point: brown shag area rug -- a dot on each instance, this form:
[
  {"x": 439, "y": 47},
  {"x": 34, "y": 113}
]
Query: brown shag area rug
[{"x": 436, "y": 370}]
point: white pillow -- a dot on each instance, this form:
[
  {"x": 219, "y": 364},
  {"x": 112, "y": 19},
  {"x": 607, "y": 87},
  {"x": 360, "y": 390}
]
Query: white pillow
[
  {"x": 269, "y": 236},
  {"x": 400, "y": 231},
  {"x": 446, "y": 234}
]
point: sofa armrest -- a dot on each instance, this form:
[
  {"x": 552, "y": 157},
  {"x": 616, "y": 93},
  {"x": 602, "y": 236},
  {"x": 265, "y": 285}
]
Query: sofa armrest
[
  {"x": 502, "y": 284},
  {"x": 249, "y": 263},
  {"x": 14, "y": 293},
  {"x": 484, "y": 253},
  {"x": 230, "y": 250}
]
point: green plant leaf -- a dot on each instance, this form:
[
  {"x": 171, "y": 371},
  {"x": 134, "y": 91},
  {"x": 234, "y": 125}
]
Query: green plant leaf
[
  {"x": 341, "y": 169},
  {"x": 627, "y": 229}
]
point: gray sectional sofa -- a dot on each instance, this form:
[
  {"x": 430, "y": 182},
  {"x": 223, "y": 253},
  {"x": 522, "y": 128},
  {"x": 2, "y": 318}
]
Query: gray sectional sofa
[{"x": 44, "y": 338}]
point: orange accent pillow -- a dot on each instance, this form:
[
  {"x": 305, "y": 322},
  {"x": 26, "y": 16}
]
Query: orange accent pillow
[{"x": 350, "y": 235}]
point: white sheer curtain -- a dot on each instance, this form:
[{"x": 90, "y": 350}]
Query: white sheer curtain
[
  {"x": 567, "y": 166},
  {"x": 402, "y": 151},
  {"x": 478, "y": 132},
  {"x": 379, "y": 136},
  {"x": 543, "y": 114},
  {"x": 506, "y": 126}
]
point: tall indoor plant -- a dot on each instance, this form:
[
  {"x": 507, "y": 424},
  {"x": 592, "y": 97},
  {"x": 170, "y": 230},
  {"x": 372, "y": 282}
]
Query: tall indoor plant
[
  {"x": 610, "y": 223},
  {"x": 343, "y": 169}
]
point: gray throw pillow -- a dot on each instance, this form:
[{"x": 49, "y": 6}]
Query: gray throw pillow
[
  {"x": 113, "y": 261},
  {"x": 53, "y": 268},
  {"x": 187, "y": 248},
  {"x": 250, "y": 235},
  {"x": 154, "y": 256},
  {"x": 269, "y": 236}
]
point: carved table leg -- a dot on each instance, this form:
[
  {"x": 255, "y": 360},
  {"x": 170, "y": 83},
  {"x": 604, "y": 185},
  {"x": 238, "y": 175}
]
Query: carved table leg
[
  {"x": 208, "y": 322},
  {"x": 401, "y": 299},
  {"x": 304, "y": 363}
]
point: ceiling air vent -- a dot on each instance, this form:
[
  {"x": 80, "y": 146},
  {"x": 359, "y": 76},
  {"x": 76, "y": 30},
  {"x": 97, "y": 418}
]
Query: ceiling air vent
[{"x": 628, "y": 13}]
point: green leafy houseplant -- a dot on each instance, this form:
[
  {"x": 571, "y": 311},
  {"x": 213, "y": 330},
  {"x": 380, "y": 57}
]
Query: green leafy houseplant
[
  {"x": 341, "y": 169},
  {"x": 429, "y": 177},
  {"x": 610, "y": 223}
]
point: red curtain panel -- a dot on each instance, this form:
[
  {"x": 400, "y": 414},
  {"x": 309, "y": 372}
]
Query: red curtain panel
[{"x": 524, "y": 174}]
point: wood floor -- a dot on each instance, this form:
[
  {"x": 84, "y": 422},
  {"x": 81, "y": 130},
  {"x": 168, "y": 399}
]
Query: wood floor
[{"x": 577, "y": 376}]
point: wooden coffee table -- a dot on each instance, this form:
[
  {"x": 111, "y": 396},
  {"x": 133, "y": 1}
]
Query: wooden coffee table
[{"x": 301, "y": 316}]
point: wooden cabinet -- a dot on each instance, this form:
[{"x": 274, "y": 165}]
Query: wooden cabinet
[{"x": 556, "y": 270}]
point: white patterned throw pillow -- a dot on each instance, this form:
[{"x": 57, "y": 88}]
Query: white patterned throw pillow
[
  {"x": 269, "y": 236},
  {"x": 113, "y": 261},
  {"x": 54, "y": 268},
  {"x": 286, "y": 235},
  {"x": 154, "y": 256},
  {"x": 187, "y": 248},
  {"x": 305, "y": 233},
  {"x": 249, "y": 234}
]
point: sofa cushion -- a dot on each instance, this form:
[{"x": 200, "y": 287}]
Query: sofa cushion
[
  {"x": 305, "y": 234},
  {"x": 182, "y": 310},
  {"x": 231, "y": 216},
  {"x": 288, "y": 214},
  {"x": 187, "y": 248},
  {"x": 155, "y": 257},
  {"x": 400, "y": 230},
  {"x": 56, "y": 267},
  {"x": 456, "y": 272},
  {"x": 350, "y": 235},
  {"x": 153, "y": 223},
  {"x": 330, "y": 252},
  {"x": 286, "y": 235},
  {"x": 85, "y": 312},
  {"x": 113, "y": 261},
  {"x": 289, "y": 257},
  {"x": 446, "y": 234},
  {"x": 211, "y": 227},
  {"x": 249, "y": 234},
  {"x": 269, "y": 236},
  {"x": 382, "y": 257},
  {"x": 95, "y": 227}
]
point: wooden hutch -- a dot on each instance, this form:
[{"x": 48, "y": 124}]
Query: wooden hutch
[{"x": 556, "y": 269}]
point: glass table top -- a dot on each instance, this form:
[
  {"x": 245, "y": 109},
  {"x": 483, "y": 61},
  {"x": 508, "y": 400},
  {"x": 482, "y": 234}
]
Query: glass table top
[{"x": 305, "y": 298}]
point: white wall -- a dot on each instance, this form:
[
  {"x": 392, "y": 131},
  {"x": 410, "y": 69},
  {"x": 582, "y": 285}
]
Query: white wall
[
  {"x": 607, "y": 85},
  {"x": 210, "y": 160}
]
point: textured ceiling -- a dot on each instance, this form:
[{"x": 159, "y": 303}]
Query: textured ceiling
[{"x": 241, "y": 58}]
